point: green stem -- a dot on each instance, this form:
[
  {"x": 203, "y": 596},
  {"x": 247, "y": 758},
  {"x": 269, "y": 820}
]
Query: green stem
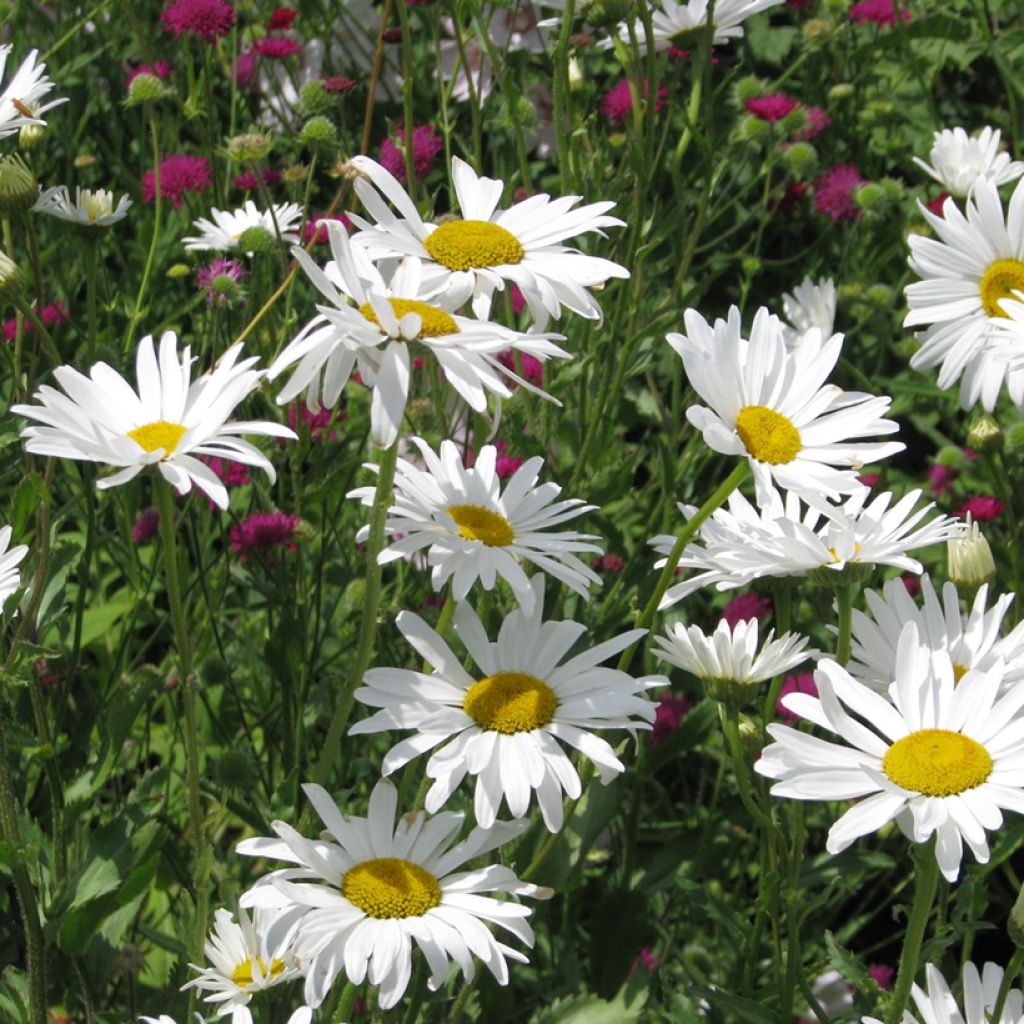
[
  {"x": 782, "y": 602},
  {"x": 43, "y": 334},
  {"x": 151, "y": 255},
  {"x": 460, "y": 1001},
  {"x": 844, "y": 604},
  {"x": 340, "y": 1008},
  {"x": 419, "y": 990},
  {"x": 926, "y": 877},
  {"x": 1009, "y": 975},
  {"x": 90, "y": 298},
  {"x": 165, "y": 499},
  {"x": 729, "y": 715}
]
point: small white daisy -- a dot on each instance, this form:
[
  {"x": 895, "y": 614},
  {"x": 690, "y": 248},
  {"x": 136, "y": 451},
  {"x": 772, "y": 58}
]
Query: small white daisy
[
  {"x": 370, "y": 887},
  {"x": 959, "y": 160},
  {"x": 981, "y": 993},
  {"x": 224, "y": 232},
  {"x": 972, "y": 641},
  {"x": 242, "y": 964},
  {"x": 682, "y": 26},
  {"x": 729, "y": 660},
  {"x": 372, "y": 324},
  {"x": 503, "y": 723},
  {"x": 976, "y": 260},
  {"x": 468, "y": 259},
  {"x": 474, "y": 530},
  {"x": 810, "y": 305},
  {"x": 771, "y": 405},
  {"x": 939, "y": 757},
  {"x": 91, "y": 208},
  {"x": 740, "y": 543},
  {"x": 10, "y": 575},
  {"x": 19, "y": 102},
  {"x": 166, "y": 423}
]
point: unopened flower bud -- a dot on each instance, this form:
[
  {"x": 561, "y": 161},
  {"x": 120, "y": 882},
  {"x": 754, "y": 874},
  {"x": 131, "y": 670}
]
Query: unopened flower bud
[
  {"x": 750, "y": 87},
  {"x": 249, "y": 147},
  {"x": 815, "y": 32},
  {"x": 318, "y": 131},
  {"x": 294, "y": 173},
  {"x": 10, "y": 276},
  {"x": 19, "y": 189},
  {"x": 146, "y": 88},
  {"x": 800, "y": 160},
  {"x": 31, "y": 136},
  {"x": 871, "y": 198},
  {"x": 753, "y": 129},
  {"x": 881, "y": 296},
  {"x": 178, "y": 270},
  {"x": 576, "y": 79},
  {"x": 985, "y": 434},
  {"x": 840, "y": 91},
  {"x": 970, "y": 558},
  {"x": 314, "y": 100}
]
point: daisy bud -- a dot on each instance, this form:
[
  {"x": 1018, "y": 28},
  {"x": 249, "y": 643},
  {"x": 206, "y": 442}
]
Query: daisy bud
[
  {"x": 576, "y": 78},
  {"x": 840, "y": 91},
  {"x": 179, "y": 270},
  {"x": 256, "y": 239},
  {"x": 10, "y": 276},
  {"x": 800, "y": 160},
  {"x": 970, "y": 558},
  {"x": 18, "y": 186},
  {"x": 815, "y": 32},
  {"x": 146, "y": 88},
  {"x": 31, "y": 136},
  {"x": 751, "y": 736},
  {"x": 985, "y": 434},
  {"x": 249, "y": 147},
  {"x": 318, "y": 131}
]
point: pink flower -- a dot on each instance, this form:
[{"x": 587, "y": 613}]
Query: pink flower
[
  {"x": 314, "y": 425},
  {"x": 276, "y": 47},
  {"x": 770, "y": 108},
  {"x": 263, "y": 531},
  {"x": 178, "y": 174},
  {"x": 45, "y": 675},
  {"x": 882, "y": 973},
  {"x": 795, "y": 682},
  {"x": 518, "y": 300},
  {"x": 206, "y": 277},
  {"x": 982, "y": 507},
  {"x": 51, "y": 314},
  {"x": 667, "y": 716},
  {"x": 608, "y": 563},
  {"x": 880, "y": 12},
  {"x": 817, "y": 122},
  {"x": 245, "y": 69},
  {"x": 147, "y": 526},
  {"x": 426, "y": 144},
  {"x": 232, "y": 474},
  {"x": 282, "y": 19},
  {"x": 833, "y": 192},
  {"x": 206, "y": 19},
  {"x": 648, "y": 959},
  {"x": 942, "y": 479},
  {"x": 318, "y": 226},
  {"x": 158, "y": 69},
  {"x": 749, "y": 605},
  {"x": 799, "y": 6},
  {"x": 506, "y": 464},
  {"x": 870, "y": 479},
  {"x": 912, "y": 584},
  {"x": 617, "y": 104},
  {"x": 528, "y": 367},
  {"x": 249, "y": 181},
  {"x": 338, "y": 83},
  {"x": 936, "y": 204},
  {"x": 969, "y": 454}
]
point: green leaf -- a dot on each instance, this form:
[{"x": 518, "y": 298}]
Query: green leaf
[{"x": 588, "y": 1009}]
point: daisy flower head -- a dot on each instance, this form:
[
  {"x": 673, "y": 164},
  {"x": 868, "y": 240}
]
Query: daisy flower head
[
  {"x": 473, "y": 529},
  {"x": 771, "y": 404},
  {"x": 241, "y": 964},
  {"x": 741, "y": 543},
  {"x": 10, "y": 559},
  {"x": 729, "y": 661},
  {"x": 939, "y": 757},
  {"x": 503, "y": 722},
  {"x": 811, "y": 304},
  {"x": 468, "y": 259},
  {"x": 19, "y": 101},
  {"x": 972, "y": 641},
  {"x": 166, "y": 422},
  {"x": 224, "y": 233},
  {"x": 937, "y": 1005},
  {"x": 372, "y": 325},
  {"x": 683, "y": 26},
  {"x": 369, "y": 888},
  {"x": 974, "y": 264},
  {"x": 90, "y": 209},
  {"x": 958, "y": 160}
]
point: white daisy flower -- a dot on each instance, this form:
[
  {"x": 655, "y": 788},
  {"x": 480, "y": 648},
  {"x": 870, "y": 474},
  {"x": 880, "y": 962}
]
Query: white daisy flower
[
  {"x": 474, "y": 530},
  {"x": 976, "y": 260},
  {"x": 91, "y": 208},
  {"x": 372, "y": 324},
  {"x": 959, "y": 160},
  {"x": 682, "y": 26},
  {"x": 10, "y": 575},
  {"x": 19, "y": 102},
  {"x": 468, "y": 259},
  {"x": 972, "y": 641},
  {"x": 740, "y": 543},
  {"x": 370, "y": 887},
  {"x": 772, "y": 405},
  {"x": 810, "y": 305},
  {"x": 502, "y": 723},
  {"x": 224, "y": 232},
  {"x": 729, "y": 660},
  {"x": 981, "y": 993},
  {"x": 242, "y": 964},
  {"x": 939, "y": 757},
  {"x": 166, "y": 423}
]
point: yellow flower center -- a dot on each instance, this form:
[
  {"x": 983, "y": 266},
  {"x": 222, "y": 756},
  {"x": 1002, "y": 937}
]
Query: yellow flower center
[
  {"x": 388, "y": 887},
  {"x": 96, "y": 205},
  {"x": 160, "y": 434},
  {"x": 768, "y": 435},
  {"x": 937, "y": 762},
  {"x": 242, "y": 974},
  {"x": 467, "y": 244},
  {"x": 436, "y": 322},
  {"x": 478, "y": 523},
  {"x": 510, "y": 702},
  {"x": 998, "y": 282},
  {"x": 959, "y": 671}
]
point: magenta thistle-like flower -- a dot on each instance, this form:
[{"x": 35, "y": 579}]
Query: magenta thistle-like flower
[
  {"x": 795, "y": 682},
  {"x": 263, "y": 531},
  {"x": 318, "y": 226},
  {"x": 244, "y": 72},
  {"x": 528, "y": 367},
  {"x": 617, "y": 104},
  {"x": 147, "y": 526},
  {"x": 667, "y": 716},
  {"x": 178, "y": 174},
  {"x": 282, "y": 18},
  {"x": 338, "y": 83},
  {"x": 51, "y": 314},
  {"x": 833, "y": 192},
  {"x": 982, "y": 507},
  {"x": 817, "y": 122},
  {"x": 158, "y": 69},
  {"x": 877, "y": 12},
  {"x": 426, "y": 145},
  {"x": 222, "y": 268},
  {"x": 249, "y": 181},
  {"x": 748, "y": 605},
  {"x": 314, "y": 425},
  {"x": 770, "y": 108},
  {"x": 276, "y": 47},
  {"x": 942, "y": 479},
  {"x": 204, "y": 19}
]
